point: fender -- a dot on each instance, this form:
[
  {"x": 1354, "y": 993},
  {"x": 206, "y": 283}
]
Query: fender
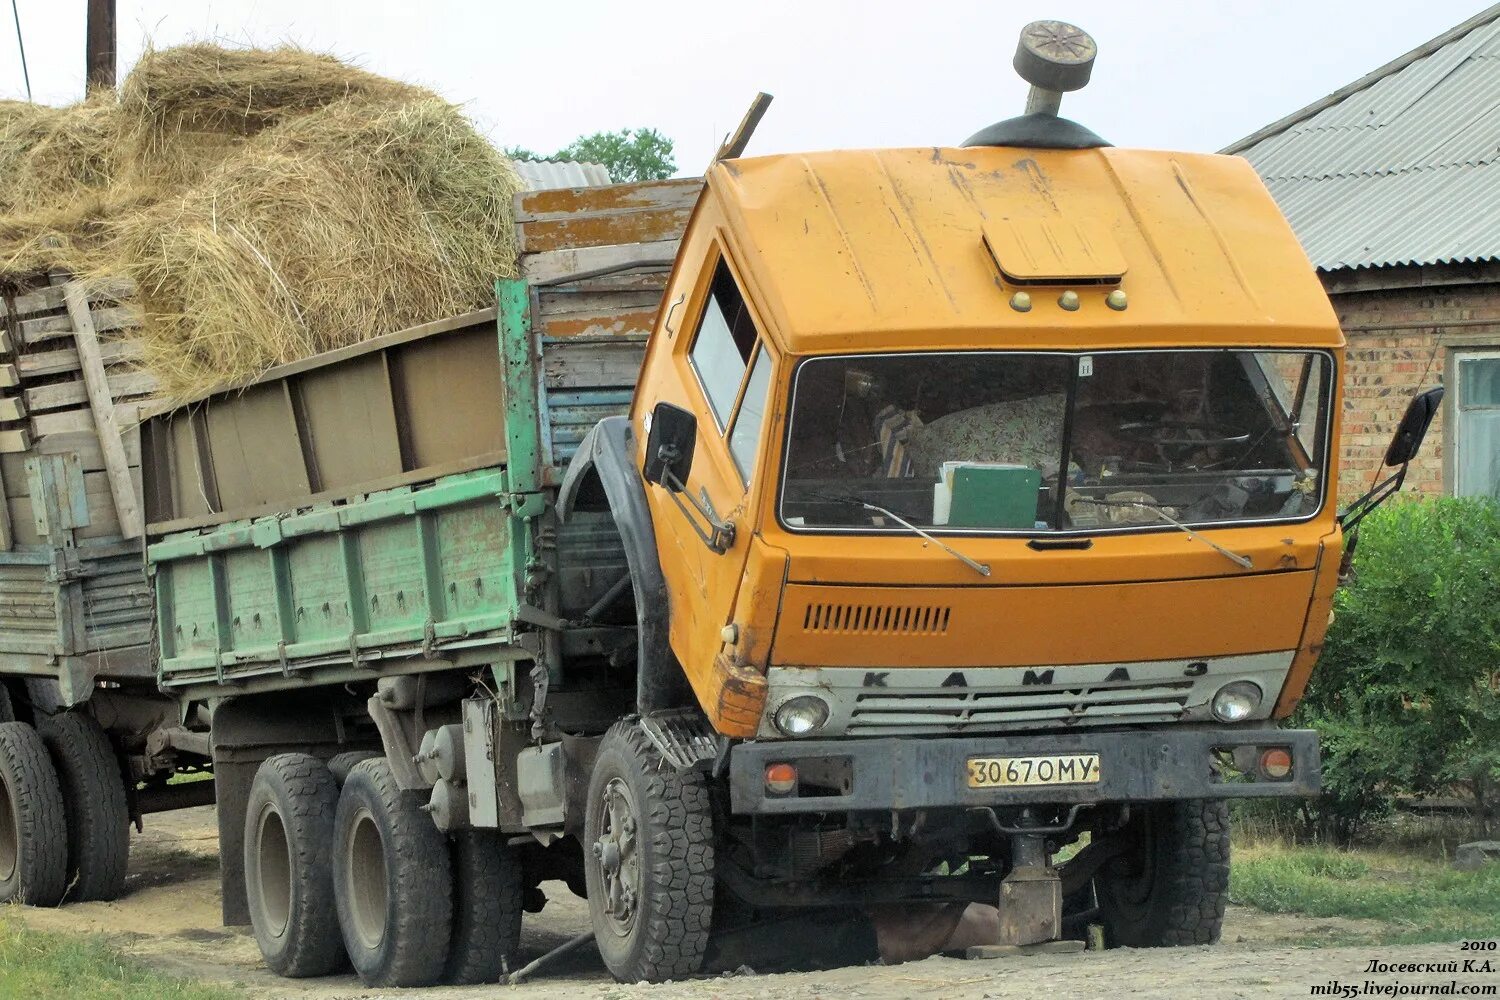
[{"x": 603, "y": 476}]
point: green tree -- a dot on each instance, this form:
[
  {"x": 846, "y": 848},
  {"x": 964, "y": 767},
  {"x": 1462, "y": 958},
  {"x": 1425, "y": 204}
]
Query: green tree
[{"x": 642, "y": 154}]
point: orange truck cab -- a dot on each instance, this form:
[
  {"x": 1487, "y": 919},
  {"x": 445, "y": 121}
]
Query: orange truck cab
[{"x": 993, "y": 493}]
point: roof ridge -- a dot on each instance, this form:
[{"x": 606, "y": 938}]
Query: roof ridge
[{"x": 1368, "y": 80}]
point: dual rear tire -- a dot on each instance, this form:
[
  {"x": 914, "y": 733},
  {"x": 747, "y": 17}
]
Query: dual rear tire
[
  {"x": 64, "y": 819},
  {"x": 361, "y": 874}
]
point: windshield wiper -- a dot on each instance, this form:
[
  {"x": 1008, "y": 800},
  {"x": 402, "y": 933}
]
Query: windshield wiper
[
  {"x": 1241, "y": 561},
  {"x": 982, "y": 569}
]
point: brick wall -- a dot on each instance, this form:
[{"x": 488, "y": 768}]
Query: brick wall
[{"x": 1398, "y": 344}]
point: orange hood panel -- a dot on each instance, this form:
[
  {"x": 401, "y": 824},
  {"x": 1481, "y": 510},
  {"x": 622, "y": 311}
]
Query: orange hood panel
[{"x": 823, "y": 625}]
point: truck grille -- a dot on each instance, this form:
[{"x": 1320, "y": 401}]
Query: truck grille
[
  {"x": 977, "y": 709},
  {"x": 877, "y": 619}
]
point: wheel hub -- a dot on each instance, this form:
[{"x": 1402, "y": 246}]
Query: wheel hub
[{"x": 616, "y": 852}]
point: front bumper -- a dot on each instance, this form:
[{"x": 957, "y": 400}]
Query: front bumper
[{"x": 912, "y": 773}]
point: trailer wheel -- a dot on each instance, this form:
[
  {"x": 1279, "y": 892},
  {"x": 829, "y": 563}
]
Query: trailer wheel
[
  {"x": 487, "y": 881},
  {"x": 288, "y": 865},
  {"x": 393, "y": 881},
  {"x": 1170, "y": 887},
  {"x": 648, "y": 861},
  {"x": 33, "y": 823},
  {"x": 98, "y": 815},
  {"x": 341, "y": 764}
]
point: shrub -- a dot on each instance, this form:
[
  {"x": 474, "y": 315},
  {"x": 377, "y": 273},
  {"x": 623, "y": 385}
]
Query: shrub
[{"x": 1404, "y": 695}]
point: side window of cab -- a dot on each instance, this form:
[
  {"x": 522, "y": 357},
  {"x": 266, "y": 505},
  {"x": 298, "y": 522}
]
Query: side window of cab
[{"x": 732, "y": 367}]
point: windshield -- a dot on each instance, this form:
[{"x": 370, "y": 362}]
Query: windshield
[{"x": 990, "y": 441}]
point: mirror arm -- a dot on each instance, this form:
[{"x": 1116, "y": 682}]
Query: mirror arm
[
  {"x": 1358, "y": 509},
  {"x": 720, "y": 536}
]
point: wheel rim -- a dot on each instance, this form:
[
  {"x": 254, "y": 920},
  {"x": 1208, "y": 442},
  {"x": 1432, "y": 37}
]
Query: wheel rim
[
  {"x": 273, "y": 862},
  {"x": 367, "y": 881},
  {"x": 617, "y": 855},
  {"x": 9, "y": 834},
  {"x": 1134, "y": 878}
]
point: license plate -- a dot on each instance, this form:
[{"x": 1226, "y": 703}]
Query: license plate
[{"x": 1055, "y": 769}]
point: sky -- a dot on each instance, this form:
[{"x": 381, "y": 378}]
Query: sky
[{"x": 845, "y": 74}]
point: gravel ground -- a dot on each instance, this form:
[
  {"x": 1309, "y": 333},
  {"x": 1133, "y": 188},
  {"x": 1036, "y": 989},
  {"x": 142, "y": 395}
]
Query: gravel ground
[{"x": 169, "y": 918}]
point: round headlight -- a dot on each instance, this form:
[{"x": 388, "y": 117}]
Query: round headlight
[
  {"x": 1236, "y": 701},
  {"x": 801, "y": 715}
]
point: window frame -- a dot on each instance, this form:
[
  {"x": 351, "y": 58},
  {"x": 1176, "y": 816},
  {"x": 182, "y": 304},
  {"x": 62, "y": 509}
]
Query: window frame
[
  {"x": 1455, "y": 425},
  {"x": 756, "y": 354},
  {"x": 721, "y": 260},
  {"x": 1333, "y": 372},
  {"x": 758, "y": 347}
]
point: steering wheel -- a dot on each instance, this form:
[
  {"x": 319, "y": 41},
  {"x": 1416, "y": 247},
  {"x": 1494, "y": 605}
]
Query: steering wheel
[{"x": 1175, "y": 440}]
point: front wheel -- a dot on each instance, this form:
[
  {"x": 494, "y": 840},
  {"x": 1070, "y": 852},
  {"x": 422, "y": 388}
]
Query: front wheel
[
  {"x": 648, "y": 861},
  {"x": 1169, "y": 886}
]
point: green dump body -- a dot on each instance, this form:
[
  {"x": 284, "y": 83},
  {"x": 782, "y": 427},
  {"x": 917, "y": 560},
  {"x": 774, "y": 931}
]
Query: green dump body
[
  {"x": 403, "y": 574},
  {"x": 387, "y": 507}
]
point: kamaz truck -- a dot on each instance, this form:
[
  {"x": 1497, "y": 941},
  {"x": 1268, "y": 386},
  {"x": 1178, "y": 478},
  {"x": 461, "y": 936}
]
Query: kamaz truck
[{"x": 842, "y": 537}]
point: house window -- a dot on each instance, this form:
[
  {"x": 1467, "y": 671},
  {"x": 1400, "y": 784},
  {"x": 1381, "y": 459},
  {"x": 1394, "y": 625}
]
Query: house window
[{"x": 1476, "y": 438}]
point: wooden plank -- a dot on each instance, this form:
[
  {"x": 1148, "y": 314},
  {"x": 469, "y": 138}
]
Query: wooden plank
[
  {"x": 50, "y": 297},
  {"x": 6, "y": 538},
  {"x": 91, "y": 358},
  {"x": 593, "y": 364},
  {"x": 563, "y": 301},
  {"x": 123, "y": 384},
  {"x": 573, "y": 265},
  {"x": 75, "y": 421},
  {"x": 66, "y": 359},
  {"x": 12, "y": 408},
  {"x": 565, "y": 203},
  {"x": 41, "y": 300},
  {"x": 44, "y": 328},
  {"x": 86, "y": 444},
  {"x": 9, "y": 376},
  {"x": 625, "y": 323},
  {"x": 602, "y": 230},
  {"x": 13, "y": 441}
]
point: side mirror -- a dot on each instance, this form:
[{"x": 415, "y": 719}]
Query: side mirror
[
  {"x": 669, "y": 446},
  {"x": 1407, "y": 440}
]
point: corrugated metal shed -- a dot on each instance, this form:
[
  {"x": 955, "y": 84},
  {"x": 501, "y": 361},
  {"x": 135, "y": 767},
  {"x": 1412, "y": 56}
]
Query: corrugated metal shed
[
  {"x": 1400, "y": 167},
  {"x": 544, "y": 175}
]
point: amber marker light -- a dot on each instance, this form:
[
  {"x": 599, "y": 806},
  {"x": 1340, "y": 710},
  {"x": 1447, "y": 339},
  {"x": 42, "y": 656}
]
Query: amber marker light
[
  {"x": 781, "y": 779},
  {"x": 1276, "y": 763}
]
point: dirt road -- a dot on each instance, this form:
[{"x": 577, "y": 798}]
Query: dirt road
[{"x": 169, "y": 918}]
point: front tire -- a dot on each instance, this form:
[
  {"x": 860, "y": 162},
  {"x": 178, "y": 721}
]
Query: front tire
[
  {"x": 33, "y": 824},
  {"x": 392, "y": 879},
  {"x": 98, "y": 816},
  {"x": 288, "y": 866},
  {"x": 648, "y": 861},
  {"x": 1169, "y": 888}
]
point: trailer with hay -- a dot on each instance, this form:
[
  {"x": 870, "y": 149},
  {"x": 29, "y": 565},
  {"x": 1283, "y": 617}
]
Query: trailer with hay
[{"x": 226, "y": 211}]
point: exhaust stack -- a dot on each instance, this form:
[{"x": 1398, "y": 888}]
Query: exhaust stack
[{"x": 1054, "y": 57}]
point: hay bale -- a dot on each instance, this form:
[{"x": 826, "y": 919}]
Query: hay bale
[
  {"x": 331, "y": 228},
  {"x": 267, "y": 204},
  {"x": 186, "y": 109}
]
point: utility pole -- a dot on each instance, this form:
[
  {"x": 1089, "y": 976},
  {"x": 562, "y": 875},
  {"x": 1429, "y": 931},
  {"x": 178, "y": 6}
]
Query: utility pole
[{"x": 100, "y": 57}]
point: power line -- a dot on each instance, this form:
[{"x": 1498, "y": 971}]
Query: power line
[{"x": 21, "y": 42}]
